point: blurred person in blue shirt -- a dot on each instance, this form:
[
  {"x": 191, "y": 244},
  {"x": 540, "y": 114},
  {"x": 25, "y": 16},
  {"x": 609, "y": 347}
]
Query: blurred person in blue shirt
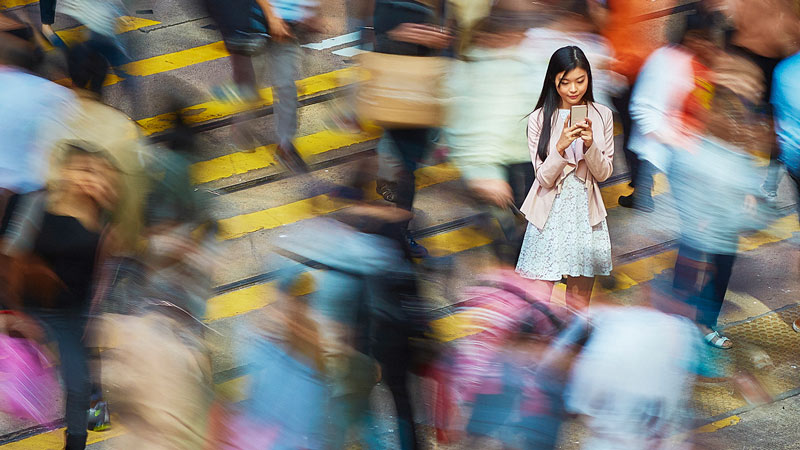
[
  {"x": 32, "y": 120},
  {"x": 786, "y": 101}
]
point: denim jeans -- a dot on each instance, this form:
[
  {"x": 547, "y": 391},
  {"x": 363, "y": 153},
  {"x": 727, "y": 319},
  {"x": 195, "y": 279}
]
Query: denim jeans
[
  {"x": 66, "y": 327},
  {"x": 284, "y": 69}
]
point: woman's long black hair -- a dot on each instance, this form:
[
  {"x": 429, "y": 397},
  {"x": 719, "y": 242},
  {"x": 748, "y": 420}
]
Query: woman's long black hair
[{"x": 564, "y": 60}]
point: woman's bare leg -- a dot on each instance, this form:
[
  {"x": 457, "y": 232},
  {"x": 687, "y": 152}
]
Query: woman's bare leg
[{"x": 579, "y": 292}]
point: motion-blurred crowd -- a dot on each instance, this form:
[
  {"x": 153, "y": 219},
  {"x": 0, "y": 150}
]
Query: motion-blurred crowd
[{"x": 108, "y": 250}]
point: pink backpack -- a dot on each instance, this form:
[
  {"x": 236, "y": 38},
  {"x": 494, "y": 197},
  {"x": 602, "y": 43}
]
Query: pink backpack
[{"x": 28, "y": 382}]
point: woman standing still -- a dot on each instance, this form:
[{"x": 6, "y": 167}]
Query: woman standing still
[{"x": 567, "y": 234}]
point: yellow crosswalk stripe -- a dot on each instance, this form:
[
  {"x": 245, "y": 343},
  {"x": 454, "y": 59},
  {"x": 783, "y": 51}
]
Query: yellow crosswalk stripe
[
  {"x": 279, "y": 216},
  {"x": 54, "y": 440},
  {"x": 8, "y": 4},
  {"x": 72, "y": 36},
  {"x": 212, "y": 110},
  {"x": 171, "y": 61},
  {"x": 239, "y": 163}
]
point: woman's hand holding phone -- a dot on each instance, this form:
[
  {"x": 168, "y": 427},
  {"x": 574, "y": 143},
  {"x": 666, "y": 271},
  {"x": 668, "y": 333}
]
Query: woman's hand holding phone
[
  {"x": 568, "y": 136},
  {"x": 586, "y": 133}
]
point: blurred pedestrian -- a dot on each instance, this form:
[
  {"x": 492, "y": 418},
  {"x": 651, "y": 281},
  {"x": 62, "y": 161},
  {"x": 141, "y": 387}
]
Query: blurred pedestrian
[
  {"x": 289, "y": 24},
  {"x": 628, "y": 395},
  {"x": 764, "y": 33},
  {"x": 485, "y": 386},
  {"x": 720, "y": 164},
  {"x": 32, "y": 119},
  {"x": 66, "y": 228},
  {"x": 490, "y": 150},
  {"x": 632, "y": 43},
  {"x": 669, "y": 104},
  {"x": 410, "y": 28},
  {"x": 567, "y": 234}
]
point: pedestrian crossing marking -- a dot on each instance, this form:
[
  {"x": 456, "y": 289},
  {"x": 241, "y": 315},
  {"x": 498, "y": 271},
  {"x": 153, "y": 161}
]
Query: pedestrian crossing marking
[
  {"x": 8, "y": 4},
  {"x": 214, "y": 109},
  {"x": 239, "y": 163},
  {"x": 54, "y": 440},
  {"x": 172, "y": 61},
  {"x": 240, "y": 225},
  {"x": 76, "y": 35}
]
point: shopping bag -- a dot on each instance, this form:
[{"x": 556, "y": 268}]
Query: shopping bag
[
  {"x": 27, "y": 380},
  {"x": 402, "y": 91}
]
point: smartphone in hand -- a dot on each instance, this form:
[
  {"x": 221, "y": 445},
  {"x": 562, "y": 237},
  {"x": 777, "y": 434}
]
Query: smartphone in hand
[{"x": 577, "y": 114}]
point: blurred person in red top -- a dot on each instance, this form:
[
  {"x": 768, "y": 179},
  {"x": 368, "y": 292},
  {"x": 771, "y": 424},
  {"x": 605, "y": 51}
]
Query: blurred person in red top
[
  {"x": 669, "y": 103},
  {"x": 632, "y": 42}
]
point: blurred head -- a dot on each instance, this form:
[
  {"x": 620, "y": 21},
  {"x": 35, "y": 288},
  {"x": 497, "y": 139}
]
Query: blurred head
[
  {"x": 82, "y": 171},
  {"x": 509, "y": 16},
  {"x": 17, "y": 52},
  {"x": 702, "y": 34},
  {"x": 568, "y": 82},
  {"x": 87, "y": 68}
]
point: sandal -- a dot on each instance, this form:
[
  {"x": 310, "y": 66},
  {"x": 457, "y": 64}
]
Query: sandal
[{"x": 717, "y": 340}]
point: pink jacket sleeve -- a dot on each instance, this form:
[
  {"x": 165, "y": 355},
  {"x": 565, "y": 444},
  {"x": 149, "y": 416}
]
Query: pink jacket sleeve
[
  {"x": 547, "y": 171},
  {"x": 600, "y": 156}
]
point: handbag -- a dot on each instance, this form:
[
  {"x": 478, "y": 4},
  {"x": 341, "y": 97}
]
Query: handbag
[
  {"x": 27, "y": 377},
  {"x": 402, "y": 91},
  {"x": 24, "y": 276}
]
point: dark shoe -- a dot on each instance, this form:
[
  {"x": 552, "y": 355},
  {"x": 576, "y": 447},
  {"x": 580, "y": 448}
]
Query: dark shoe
[
  {"x": 387, "y": 190},
  {"x": 628, "y": 202},
  {"x": 291, "y": 160},
  {"x": 75, "y": 442},
  {"x": 413, "y": 248}
]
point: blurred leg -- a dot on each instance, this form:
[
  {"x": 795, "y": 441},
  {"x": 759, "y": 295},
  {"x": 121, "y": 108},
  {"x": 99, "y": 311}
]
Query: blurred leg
[
  {"x": 284, "y": 64},
  {"x": 579, "y": 292},
  {"x": 545, "y": 289},
  {"x": 67, "y": 329},
  {"x": 622, "y": 105},
  {"x": 796, "y": 179},
  {"x": 47, "y": 11},
  {"x": 392, "y": 351},
  {"x": 686, "y": 271},
  {"x": 713, "y": 293}
]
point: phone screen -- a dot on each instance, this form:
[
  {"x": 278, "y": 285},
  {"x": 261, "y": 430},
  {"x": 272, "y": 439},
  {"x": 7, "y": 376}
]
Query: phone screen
[{"x": 577, "y": 114}]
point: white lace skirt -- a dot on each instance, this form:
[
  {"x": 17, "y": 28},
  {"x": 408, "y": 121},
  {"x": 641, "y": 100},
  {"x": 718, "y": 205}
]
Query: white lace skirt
[{"x": 567, "y": 245}]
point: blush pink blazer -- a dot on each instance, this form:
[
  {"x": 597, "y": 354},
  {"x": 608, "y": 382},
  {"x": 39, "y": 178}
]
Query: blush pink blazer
[{"x": 595, "y": 166}]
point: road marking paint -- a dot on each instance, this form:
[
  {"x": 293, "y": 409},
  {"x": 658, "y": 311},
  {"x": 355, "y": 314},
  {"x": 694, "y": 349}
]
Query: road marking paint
[
  {"x": 719, "y": 424},
  {"x": 262, "y": 157},
  {"x": 267, "y": 219},
  {"x": 612, "y": 193},
  {"x": 54, "y": 440},
  {"x": 213, "y": 110},
  {"x": 348, "y": 52},
  {"x": 76, "y": 35},
  {"x": 8, "y": 4},
  {"x": 334, "y": 41}
]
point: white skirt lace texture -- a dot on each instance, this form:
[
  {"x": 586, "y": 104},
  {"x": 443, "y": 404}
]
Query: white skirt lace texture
[{"x": 567, "y": 245}]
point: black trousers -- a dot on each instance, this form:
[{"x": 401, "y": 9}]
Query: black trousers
[
  {"x": 47, "y": 11},
  {"x": 622, "y": 105},
  {"x": 412, "y": 146},
  {"x": 704, "y": 288},
  {"x": 66, "y": 327}
]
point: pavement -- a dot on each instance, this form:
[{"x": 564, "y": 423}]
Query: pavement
[{"x": 176, "y": 50}]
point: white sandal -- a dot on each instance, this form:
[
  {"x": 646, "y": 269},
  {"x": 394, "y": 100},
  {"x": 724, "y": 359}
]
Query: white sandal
[{"x": 717, "y": 340}]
